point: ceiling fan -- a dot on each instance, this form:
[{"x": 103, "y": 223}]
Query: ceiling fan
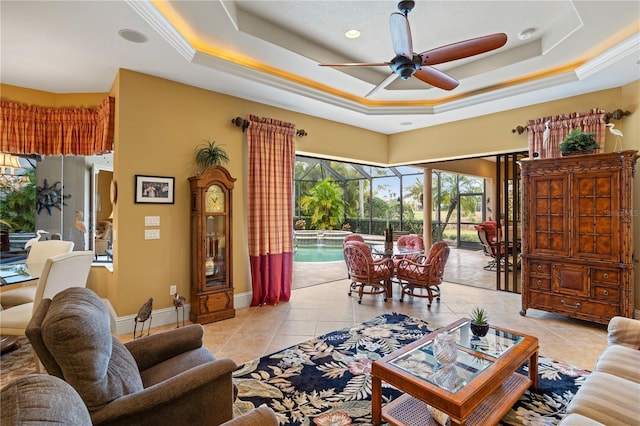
[{"x": 407, "y": 63}]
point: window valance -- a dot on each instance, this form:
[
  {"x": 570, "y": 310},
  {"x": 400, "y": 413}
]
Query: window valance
[{"x": 27, "y": 129}]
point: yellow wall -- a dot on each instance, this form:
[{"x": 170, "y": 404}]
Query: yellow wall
[
  {"x": 491, "y": 134},
  {"x": 51, "y": 100},
  {"x": 159, "y": 124}
]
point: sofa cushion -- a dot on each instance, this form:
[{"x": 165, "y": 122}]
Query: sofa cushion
[
  {"x": 607, "y": 399},
  {"x": 578, "y": 420},
  {"x": 41, "y": 399},
  {"x": 98, "y": 366},
  {"x": 624, "y": 331},
  {"x": 620, "y": 361}
]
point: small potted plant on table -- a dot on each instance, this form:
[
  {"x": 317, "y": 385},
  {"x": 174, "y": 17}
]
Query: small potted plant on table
[{"x": 479, "y": 322}]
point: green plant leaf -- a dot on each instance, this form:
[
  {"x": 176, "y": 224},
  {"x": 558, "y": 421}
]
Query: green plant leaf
[{"x": 209, "y": 154}]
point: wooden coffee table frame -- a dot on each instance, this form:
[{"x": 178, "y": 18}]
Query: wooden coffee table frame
[{"x": 483, "y": 401}]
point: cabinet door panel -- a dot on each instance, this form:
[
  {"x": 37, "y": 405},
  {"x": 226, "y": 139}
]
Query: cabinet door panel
[
  {"x": 550, "y": 209},
  {"x": 571, "y": 279},
  {"x": 596, "y": 229}
]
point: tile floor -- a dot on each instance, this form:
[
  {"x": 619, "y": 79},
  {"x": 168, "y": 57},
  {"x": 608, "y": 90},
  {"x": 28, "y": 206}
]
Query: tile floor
[{"x": 321, "y": 308}]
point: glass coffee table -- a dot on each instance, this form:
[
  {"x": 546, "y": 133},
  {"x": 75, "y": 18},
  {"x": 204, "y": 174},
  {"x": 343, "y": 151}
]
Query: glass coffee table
[{"x": 478, "y": 389}]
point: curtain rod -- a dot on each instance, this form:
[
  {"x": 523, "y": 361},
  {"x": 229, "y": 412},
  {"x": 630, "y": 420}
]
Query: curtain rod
[
  {"x": 241, "y": 122},
  {"x": 616, "y": 115}
]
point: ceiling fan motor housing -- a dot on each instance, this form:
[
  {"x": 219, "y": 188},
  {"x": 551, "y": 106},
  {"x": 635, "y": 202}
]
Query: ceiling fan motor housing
[
  {"x": 406, "y": 6},
  {"x": 405, "y": 67}
]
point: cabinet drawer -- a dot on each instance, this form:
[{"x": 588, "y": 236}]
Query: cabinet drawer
[
  {"x": 606, "y": 293},
  {"x": 539, "y": 268},
  {"x": 573, "y": 305},
  {"x": 539, "y": 283},
  {"x": 606, "y": 276}
]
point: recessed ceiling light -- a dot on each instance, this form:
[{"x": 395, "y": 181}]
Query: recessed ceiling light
[
  {"x": 352, "y": 34},
  {"x": 133, "y": 36},
  {"x": 526, "y": 34},
  {"x": 406, "y": 123}
]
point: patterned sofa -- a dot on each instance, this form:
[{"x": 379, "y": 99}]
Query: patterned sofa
[{"x": 611, "y": 394}]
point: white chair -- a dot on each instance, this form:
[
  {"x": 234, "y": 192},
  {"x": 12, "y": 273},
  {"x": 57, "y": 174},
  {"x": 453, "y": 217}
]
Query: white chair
[
  {"x": 38, "y": 254},
  {"x": 59, "y": 272}
]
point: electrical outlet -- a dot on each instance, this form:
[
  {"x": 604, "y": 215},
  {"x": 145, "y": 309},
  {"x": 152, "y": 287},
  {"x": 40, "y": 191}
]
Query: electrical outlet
[
  {"x": 152, "y": 234},
  {"x": 172, "y": 290}
]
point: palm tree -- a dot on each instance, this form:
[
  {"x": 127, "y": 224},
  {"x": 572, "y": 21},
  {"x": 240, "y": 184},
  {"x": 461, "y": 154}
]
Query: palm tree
[
  {"x": 325, "y": 204},
  {"x": 416, "y": 191}
]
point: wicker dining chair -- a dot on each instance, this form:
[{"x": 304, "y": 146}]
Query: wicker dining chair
[
  {"x": 410, "y": 242},
  {"x": 365, "y": 271},
  {"x": 423, "y": 273}
]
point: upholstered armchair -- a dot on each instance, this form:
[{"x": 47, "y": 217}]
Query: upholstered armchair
[
  {"x": 423, "y": 273},
  {"x": 167, "y": 378},
  {"x": 365, "y": 271},
  {"x": 43, "y": 399}
]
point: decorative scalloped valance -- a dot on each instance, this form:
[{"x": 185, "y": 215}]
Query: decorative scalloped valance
[{"x": 27, "y": 129}]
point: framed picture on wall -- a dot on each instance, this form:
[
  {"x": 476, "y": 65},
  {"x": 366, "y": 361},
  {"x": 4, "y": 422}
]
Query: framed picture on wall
[{"x": 155, "y": 189}]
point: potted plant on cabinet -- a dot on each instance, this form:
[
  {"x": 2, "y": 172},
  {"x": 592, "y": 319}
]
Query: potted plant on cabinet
[
  {"x": 209, "y": 154},
  {"x": 479, "y": 322},
  {"x": 578, "y": 142}
]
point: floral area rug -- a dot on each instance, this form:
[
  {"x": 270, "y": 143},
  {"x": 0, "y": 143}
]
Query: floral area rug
[
  {"x": 17, "y": 363},
  {"x": 326, "y": 380}
]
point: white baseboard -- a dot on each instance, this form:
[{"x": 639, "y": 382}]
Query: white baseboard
[{"x": 164, "y": 316}]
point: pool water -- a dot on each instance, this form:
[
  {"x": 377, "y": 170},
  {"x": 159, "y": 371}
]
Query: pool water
[{"x": 318, "y": 254}]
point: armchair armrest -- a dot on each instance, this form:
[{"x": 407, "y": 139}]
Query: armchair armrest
[
  {"x": 624, "y": 331},
  {"x": 260, "y": 416},
  {"x": 202, "y": 395},
  {"x": 151, "y": 350}
]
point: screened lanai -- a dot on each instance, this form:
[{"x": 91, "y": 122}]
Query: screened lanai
[{"x": 375, "y": 197}]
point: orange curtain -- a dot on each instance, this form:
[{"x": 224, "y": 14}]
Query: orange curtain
[
  {"x": 270, "y": 210},
  {"x": 546, "y": 133},
  {"x": 57, "y": 131}
]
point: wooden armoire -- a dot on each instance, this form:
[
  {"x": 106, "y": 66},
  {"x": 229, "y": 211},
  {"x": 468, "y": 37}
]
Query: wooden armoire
[{"x": 577, "y": 235}]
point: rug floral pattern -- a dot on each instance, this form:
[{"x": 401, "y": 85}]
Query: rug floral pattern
[{"x": 327, "y": 381}]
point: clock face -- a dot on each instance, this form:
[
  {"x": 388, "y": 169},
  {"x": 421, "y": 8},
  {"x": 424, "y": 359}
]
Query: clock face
[{"x": 214, "y": 200}]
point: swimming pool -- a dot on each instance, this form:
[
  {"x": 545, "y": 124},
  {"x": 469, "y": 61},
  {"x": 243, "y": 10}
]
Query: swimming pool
[{"x": 318, "y": 254}]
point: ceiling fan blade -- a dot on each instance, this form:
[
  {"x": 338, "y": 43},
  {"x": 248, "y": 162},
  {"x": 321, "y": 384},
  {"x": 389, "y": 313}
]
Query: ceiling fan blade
[
  {"x": 358, "y": 64},
  {"x": 463, "y": 49},
  {"x": 436, "y": 78},
  {"x": 387, "y": 81},
  {"x": 401, "y": 35}
]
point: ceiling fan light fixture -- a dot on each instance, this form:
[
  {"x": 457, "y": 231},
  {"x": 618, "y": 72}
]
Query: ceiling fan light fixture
[
  {"x": 353, "y": 33},
  {"x": 526, "y": 34}
]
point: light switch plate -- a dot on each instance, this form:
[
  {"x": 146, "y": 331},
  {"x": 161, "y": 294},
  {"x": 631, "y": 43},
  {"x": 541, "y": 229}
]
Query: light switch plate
[
  {"x": 152, "y": 221},
  {"x": 151, "y": 234}
]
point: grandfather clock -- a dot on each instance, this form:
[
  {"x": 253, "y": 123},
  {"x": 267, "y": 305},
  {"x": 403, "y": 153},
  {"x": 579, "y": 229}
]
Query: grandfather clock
[{"x": 211, "y": 246}]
